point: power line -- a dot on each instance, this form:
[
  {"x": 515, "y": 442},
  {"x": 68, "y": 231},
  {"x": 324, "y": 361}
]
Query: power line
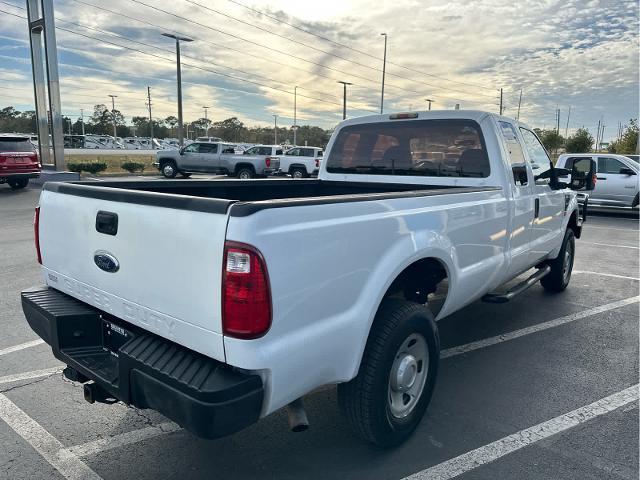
[
  {"x": 260, "y": 12},
  {"x": 325, "y": 52},
  {"x": 290, "y": 55}
]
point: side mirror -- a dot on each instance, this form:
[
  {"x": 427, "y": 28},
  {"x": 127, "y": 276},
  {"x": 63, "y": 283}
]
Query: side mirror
[
  {"x": 182, "y": 149},
  {"x": 627, "y": 171},
  {"x": 583, "y": 174}
]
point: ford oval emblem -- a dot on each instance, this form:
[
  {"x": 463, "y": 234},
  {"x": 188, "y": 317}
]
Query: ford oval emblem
[{"x": 105, "y": 261}]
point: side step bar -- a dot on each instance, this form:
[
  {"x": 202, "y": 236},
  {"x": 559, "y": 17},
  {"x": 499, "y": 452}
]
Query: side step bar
[{"x": 517, "y": 289}]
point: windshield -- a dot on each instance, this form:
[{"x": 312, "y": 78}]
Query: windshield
[
  {"x": 440, "y": 148},
  {"x": 15, "y": 145}
]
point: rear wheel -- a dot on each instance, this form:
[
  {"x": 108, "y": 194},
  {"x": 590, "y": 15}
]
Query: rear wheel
[
  {"x": 385, "y": 402},
  {"x": 562, "y": 266},
  {"x": 244, "y": 173},
  {"x": 169, "y": 169},
  {"x": 18, "y": 183},
  {"x": 298, "y": 173}
]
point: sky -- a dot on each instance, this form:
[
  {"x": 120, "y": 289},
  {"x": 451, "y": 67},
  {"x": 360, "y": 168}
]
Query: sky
[{"x": 247, "y": 57}]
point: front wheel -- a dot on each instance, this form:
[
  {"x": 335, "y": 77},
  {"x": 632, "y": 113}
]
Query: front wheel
[
  {"x": 18, "y": 183},
  {"x": 562, "y": 266},
  {"x": 169, "y": 170},
  {"x": 385, "y": 402}
]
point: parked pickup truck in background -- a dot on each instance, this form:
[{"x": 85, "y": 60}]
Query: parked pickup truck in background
[
  {"x": 218, "y": 158},
  {"x": 18, "y": 161},
  {"x": 301, "y": 162},
  {"x": 218, "y": 302},
  {"x": 617, "y": 182}
]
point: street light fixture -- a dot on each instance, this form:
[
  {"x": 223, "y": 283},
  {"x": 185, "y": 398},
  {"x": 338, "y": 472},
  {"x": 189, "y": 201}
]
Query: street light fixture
[
  {"x": 113, "y": 114},
  {"x": 344, "y": 98},
  {"x": 384, "y": 67},
  {"x": 179, "y": 79},
  {"x": 430, "y": 101}
]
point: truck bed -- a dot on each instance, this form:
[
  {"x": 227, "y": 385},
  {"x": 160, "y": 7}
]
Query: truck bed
[{"x": 217, "y": 196}]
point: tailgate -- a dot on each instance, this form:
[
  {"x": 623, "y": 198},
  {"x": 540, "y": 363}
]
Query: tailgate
[{"x": 161, "y": 270}]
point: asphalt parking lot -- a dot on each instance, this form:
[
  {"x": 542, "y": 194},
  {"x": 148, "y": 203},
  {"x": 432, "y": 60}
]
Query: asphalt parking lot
[{"x": 544, "y": 387}]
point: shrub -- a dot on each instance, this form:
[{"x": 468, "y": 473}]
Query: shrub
[
  {"x": 90, "y": 167},
  {"x": 132, "y": 167}
]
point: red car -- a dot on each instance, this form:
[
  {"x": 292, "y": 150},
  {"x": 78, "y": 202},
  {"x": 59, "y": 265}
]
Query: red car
[{"x": 18, "y": 161}]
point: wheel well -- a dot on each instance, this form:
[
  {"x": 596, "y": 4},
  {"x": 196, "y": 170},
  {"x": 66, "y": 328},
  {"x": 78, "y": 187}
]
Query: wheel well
[
  {"x": 164, "y": 161},
  {"x": 244, "y": 165},
  {"x": 573, "y": 224},
  {"x": 636, "y": 200},
  {"x": 419, "y": 281},
  {"x": 296, "y": 166}
]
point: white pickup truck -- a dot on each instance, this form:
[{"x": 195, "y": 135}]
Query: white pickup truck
[{"x": 218, "y": 302}]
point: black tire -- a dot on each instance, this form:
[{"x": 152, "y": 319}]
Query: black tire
[
  {"x": 298, "y": 173},
  {"x": 169, "y": 169},
  {"x": 562, "y": 266},
  {"x": 245, "y": 173},
  {"x": 366, "y": 400},
  {"x": 185, "y": 174},
  {"x": 18, "y": 183},
  {"x": 636, "y": 201}
]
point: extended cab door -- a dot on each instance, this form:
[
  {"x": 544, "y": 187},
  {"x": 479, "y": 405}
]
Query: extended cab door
[
  {"x": 522, "y": 209},
  {"x": 209, "y": 158},
  {"x": 548, "y": 203}
]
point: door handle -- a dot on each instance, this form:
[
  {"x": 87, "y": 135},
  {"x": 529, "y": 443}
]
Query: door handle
[
  {"x": 536, "y": 208},
  {"x": 601, "y": 178}
]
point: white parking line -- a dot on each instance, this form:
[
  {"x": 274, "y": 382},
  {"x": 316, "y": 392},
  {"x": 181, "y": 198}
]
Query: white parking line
[
  {"x": 486, "y": 342},
  {"x": 123, "y": 439},
  {"x": 612, "y": 275},
  {"x": 69, "y": 465},
  {"x": 29, "y": 375},
  {"x": 495, "y": 450},
  {"x": 635, "y": 230},
  {"x": 22, "y": 346},
  {"x": 609, "y": 245}
]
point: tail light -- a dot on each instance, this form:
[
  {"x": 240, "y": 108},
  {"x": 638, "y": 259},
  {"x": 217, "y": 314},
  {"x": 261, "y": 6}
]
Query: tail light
[
  {"x": 267, "y": 161},
  {"x": 36, "y": 232},
  {"x": 246, "y": 296},
  {"x": 317, "y": 163}
]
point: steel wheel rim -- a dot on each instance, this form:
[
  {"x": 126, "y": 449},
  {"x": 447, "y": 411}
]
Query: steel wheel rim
[
  {"x": 167, "y": 170},
  {"x": 244, "y": 175},
  {"x": 408, "y": 375},
  {"x": 566, "y": 263},
  {"x": 297, "y": 174}
]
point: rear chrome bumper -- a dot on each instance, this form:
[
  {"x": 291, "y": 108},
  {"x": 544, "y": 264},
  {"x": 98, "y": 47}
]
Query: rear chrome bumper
[{"x": 206, "y": 397}]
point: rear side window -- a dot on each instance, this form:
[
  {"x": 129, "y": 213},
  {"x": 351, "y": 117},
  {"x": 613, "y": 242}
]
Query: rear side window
[
  {"x": 15, "y": 145},
  {"x": 319, "y": 154},
  {"x": 278, "y": 152},
  {"x": 610, "y": 165},
  {"x": 433, "y": 148}
]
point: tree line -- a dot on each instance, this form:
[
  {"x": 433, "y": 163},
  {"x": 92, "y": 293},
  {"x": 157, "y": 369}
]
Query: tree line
[
  {"x": 234, "y": 130},
  {"x": 101, "y": 123}
]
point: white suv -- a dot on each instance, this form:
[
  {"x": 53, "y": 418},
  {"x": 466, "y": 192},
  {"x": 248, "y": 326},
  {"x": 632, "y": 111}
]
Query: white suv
[{"x": 617, "y": 179}]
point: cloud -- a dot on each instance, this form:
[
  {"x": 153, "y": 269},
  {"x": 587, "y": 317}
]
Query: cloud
[{"x": 575, "y": 52}]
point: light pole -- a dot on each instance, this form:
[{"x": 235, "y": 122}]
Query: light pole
[
  {"x": 344, "y": 97},
  {"x": 429, "y": 101},
  {"x": 275, "y": 129},
  {"x": 206, "y": 109},
  {"x": 384, "y": 67},
  {"x": 179, "y": 79},
  {"x": 113, "y": 115},
  {"x": 82, "y": 119},
  {"x": 295, "y": 113}
]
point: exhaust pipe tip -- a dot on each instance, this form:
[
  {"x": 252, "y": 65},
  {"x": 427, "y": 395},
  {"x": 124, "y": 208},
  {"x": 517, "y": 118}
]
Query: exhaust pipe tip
[{"x": 297, "y": 416}]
